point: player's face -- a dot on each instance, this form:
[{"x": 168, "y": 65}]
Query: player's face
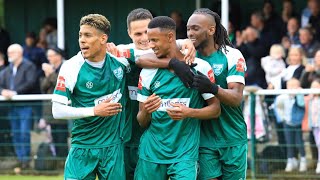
[
  {"x": 138, "y": 33},
  {"x": 159, "y": 42},
  {"x": 91, "y": 42},
  {"x": 198, "y": 29}
]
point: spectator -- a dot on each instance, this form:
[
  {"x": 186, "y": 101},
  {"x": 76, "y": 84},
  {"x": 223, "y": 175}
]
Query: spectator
[
  {"x": 50, "y": 26},
  {"x": 42, "y": 42},
  {"x": 288, "y": 11},
  {"x": 5, "y": 135},
  {"x": 306, "y": 13},
  {"x": 295, "y": 61},
  {"x": 19, "y": 78},
  {"x": 311, "y": 72},
  {"x": 290, "y": 109},
  {"x": 314, "y": 20},
  {"x": 253, "y": 50},
  {"x": 272, "y": 20},
  {"x": 59, "y": 127},
  {"x": 37, "y": 57},
  {"x": 4, "y": 40},
  {"x": 181, "y": 25},
  {"x": 308, "y": 43},
  {"x": 266, "y": 35},
  {"x": 314, "y": 118},
  {"x": 292, "y": 34},
  {"x": 34, "y": 54},
  {"x": 3, "y": 63},
  {"x": 232, "y": 33},
  {"x": 273, "y": 65}
]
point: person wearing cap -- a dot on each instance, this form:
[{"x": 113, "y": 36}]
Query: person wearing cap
[{"x": 59, "y": 128}]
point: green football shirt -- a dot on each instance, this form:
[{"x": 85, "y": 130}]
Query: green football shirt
[
  {"x": 132, "y": 107},
  {"x": 230, "y": 129},
  {"x": 165, "y": 140},
  {"x": 87, "y": 86}
]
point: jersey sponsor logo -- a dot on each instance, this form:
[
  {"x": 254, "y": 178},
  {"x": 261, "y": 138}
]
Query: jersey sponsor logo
[
  {"x": 156, "y": 84},
  {"x": 133, "y": 92},
  {"x": 211, "y": 76},
  {"x": 89, "y": 84},
  {"x": 115, "y": 97},
  {"x": 140, "y": 83},
  {"x": 240, "y": 65},
  {"x": 166, "y": 103},
  {"x": 124, "y": 53},
  {"x": 218, "y": 68},
  {"x": 61, "y": 84},
  {"x": 118, "y": 73}
]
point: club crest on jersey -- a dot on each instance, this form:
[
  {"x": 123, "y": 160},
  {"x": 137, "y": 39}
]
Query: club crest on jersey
[
  {"x": 218, "y": 68},
  {"x": 118, "y": 73},
  {"x": 156, "y": 84},
  {"x": 89, "y": 84}
]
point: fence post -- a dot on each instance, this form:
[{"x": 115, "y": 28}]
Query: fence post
[{"x": 253, "y": 138}]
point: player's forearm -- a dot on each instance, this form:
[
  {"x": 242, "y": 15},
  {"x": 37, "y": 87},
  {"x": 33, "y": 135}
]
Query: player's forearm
[
  {"x": 230, "y": 97},
  {"x": 212, "y": 110},
  {"x": 144, "y": 118},
  {"x": 61, "y": 111},
  {"x": 150, "y": 62}
]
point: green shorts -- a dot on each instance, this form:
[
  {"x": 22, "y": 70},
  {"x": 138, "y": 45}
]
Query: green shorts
[
  {"x": 130, "y": 159},
  {"x": 229, "y": 162},
  {"x": 88, "y": 163},
  {"x": 184, "y": 170}
]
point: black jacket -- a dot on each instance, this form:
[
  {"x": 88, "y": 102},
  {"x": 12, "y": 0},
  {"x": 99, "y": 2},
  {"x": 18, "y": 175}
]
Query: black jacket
[{"x": 24, "y": 80}]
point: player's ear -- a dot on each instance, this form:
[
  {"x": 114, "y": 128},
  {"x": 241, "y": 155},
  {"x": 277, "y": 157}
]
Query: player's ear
[
  {"x": 212, "y": 30},
  {"x": 171, "y": 36},
  {"x": 104, "y": 38}
]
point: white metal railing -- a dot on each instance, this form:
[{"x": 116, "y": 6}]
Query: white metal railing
[{"x": 257, "y": 91}]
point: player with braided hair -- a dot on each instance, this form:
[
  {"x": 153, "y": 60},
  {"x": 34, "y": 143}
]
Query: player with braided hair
[{"x": 223, "y": 143}]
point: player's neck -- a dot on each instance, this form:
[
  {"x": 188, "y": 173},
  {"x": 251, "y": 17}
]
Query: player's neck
[
  {"x": 209, "y": 49},
  {"x": 99, "y": 57}
]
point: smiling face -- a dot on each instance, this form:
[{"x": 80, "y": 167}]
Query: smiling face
[
  {"x": 138, "y": 33},
  {"x": 92, "y": 43},
  {"x": 159, "y": 41},
  {"x": 199, "y": 29}
]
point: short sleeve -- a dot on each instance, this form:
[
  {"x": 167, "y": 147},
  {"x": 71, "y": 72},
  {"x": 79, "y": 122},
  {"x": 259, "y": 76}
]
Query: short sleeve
[
  {"x": 205, "y": 68},
  {"x": 62, "y": 90},
  {"x": 236, "y": 66},
  {"x": 144, "y": 84}
]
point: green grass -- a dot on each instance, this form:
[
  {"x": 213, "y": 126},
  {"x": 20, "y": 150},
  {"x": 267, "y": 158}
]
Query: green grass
[{"x": 22, "y": 177}]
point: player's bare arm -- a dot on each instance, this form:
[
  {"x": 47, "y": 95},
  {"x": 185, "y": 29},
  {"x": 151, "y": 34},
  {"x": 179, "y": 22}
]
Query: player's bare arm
[
  {"x": 180, "y": 111},
  {"x": 231, "y": 96},
  {"x": 152, "y": 103}
]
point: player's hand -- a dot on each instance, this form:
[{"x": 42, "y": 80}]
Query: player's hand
[
  {"x": 203, "y": 84},
  {"x": 178, "y": 111},
  {"x": 189, "y": 51},
  {"x": 112, "y": 48},
  {"x": 107, "y": 108},
  {"x": 152, "y": 103},
  {"x": 183, "y": 71}
]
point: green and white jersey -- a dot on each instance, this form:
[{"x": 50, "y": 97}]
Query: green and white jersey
[
  {"x": 230, "y": 128},
  {"x": 165, "y": 140},
  {"x": 132, "y": 107},
  {"x": 87, "y": 86}
]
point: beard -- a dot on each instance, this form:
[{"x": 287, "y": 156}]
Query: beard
[{"x": 202, "y": 44}]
